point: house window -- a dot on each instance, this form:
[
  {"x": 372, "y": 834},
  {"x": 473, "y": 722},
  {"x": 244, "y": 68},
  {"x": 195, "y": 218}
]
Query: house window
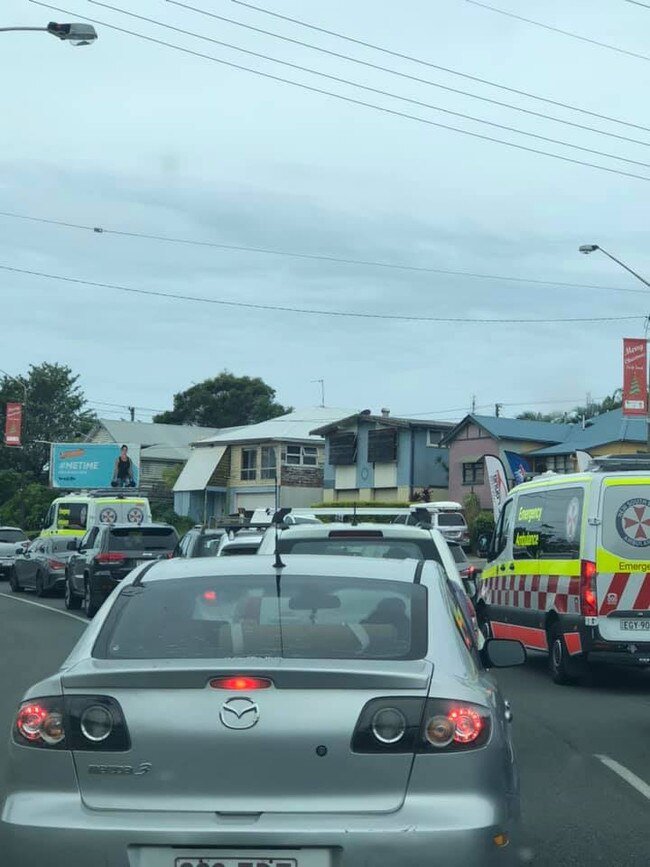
[
  {"x": 248, "y": 464},
  {"x": 268, "y": 463},
  {"x": 474, "y": 473},
  {"x": 382, "y": 446},
  {"x": 556, "y": 464},
  {"x": 301, "y": 456},
  {"x": 434, "y": 437}
]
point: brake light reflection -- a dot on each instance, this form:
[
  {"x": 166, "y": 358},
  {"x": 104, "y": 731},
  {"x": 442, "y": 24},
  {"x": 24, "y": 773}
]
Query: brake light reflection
[{"x": 210, "y": 596}]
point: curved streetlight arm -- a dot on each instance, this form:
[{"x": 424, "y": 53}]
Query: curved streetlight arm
[
  {"x": 8, "y": 29},
  {"x": 627, "y": 267}
]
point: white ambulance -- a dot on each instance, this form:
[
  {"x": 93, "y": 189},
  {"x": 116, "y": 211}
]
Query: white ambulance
[
  {"x": 569, "y": 567},
  {"x": 73, "y": 514}
]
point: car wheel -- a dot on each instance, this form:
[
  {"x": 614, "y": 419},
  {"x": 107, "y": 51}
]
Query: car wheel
[
  {"x": 39, "y": 589},
  {"x": 13, "y": 582},
  {"x": 90, "y": 605},
  {"x": 483, "y": 622},
  {"x": 70, "y": 599},
  {"x": 565, "y": 671}
]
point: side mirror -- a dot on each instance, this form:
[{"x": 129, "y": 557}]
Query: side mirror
[
  {"x": 72, "y": 545},
  {"x": 503, "y": 653},
  {"x": 484, "y": 544},
  {"x": 470, "y": 587}
]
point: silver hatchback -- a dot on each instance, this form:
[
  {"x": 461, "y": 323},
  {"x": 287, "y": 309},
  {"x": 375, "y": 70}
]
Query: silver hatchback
[{"x": 247, "y": 712}]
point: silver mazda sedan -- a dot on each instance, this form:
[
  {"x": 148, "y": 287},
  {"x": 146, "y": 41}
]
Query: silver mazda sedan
[{"x": 249, "y": 712}]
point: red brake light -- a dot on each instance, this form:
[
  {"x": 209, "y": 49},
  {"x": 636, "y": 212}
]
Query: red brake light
[
  {"x": 588, "y": 600},
  {"x": 210, "y": 596},
  {"x": 55, "y": 564},
  {"x": 29, "y": 720},
  {"x": 240, "y": 682},
  {"x": 110, "y": 557},
  {"x": 468, "y": 724}
]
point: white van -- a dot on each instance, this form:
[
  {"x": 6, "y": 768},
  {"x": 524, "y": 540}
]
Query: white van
[
  {"x": 569, "y": 567},
  {"x": 73, "y": 514},
  {"x": 445, "y": 516}
]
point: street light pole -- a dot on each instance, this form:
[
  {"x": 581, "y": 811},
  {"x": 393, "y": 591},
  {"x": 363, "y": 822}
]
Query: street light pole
[{"x": 591, "y": 248}]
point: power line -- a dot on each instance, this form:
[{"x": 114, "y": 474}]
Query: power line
[
  {"x": 99, "y": 230},
  {"x": 636, "y": 3},
  {"x": 558, "y": 30},
  {"x": 447, "y": 69},
  {"x": 392, "y": 317},
  {"x": 348, "y": 99},
  {"x": 374, "y": 90},
  {"x": 396, "y": 72},
  {"x": 464, "y": 409}
]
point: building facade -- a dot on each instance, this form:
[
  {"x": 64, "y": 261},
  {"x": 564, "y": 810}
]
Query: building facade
[{"x": 382, "y": 458}]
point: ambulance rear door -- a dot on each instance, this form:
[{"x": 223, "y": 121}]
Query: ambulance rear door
[{"x": 623, "y": 558}]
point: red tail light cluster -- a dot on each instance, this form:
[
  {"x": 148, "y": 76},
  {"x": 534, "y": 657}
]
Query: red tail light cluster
[
  {"x": 80, "y": 722},
  {"x": 433, "y": 725},
  {"x": 110, "y": 557},
  {"x": 56, "y": 564},
  {"x": 588, "y": 600}
]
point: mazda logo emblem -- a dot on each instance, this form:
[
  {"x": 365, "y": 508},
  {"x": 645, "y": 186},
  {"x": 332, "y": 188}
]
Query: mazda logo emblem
[{"x": 239, "y": 713}]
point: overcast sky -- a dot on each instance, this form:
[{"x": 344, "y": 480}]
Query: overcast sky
[{"x": 137, "y": 137}]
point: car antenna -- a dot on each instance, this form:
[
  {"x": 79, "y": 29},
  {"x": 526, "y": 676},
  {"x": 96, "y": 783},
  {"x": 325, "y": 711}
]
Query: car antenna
[{"x": 278, "y": 564}]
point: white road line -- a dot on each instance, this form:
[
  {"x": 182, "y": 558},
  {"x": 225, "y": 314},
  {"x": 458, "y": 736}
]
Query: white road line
[
  {"x": 45, "y": 607},
  {"x": 636, "y": 782}
]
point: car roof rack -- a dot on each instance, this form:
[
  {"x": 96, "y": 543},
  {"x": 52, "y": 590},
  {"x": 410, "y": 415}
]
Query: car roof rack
[
  {"x": 118, "y": 493},
  {"x": 620, "y": 463}
]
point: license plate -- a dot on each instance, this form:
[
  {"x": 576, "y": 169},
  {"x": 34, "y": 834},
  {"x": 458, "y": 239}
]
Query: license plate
[
  {"x": 236, "y": 862},
  {"x": 636, "y": 625}
]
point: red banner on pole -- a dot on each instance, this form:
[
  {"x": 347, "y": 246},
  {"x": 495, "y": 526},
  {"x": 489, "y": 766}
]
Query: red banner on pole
[
  {"x": 13, "y": 424},
  {"x": 635, "y": 376}
]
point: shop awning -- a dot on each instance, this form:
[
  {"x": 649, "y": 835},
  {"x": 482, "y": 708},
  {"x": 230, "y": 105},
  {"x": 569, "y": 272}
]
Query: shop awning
[{"x": 198, "y": 471}]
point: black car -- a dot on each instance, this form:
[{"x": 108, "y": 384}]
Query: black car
[
  {"x": 199, "y": 542},
  {"x": 41, "y": 566},
  {"x": 106, "y": 554}
]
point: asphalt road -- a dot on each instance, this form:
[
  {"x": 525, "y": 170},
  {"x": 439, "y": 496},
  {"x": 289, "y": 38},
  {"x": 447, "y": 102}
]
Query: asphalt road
[{"x": 578, "y": 809}]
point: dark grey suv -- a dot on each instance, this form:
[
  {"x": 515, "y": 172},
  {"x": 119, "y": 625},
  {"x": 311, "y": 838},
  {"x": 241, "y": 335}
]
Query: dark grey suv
[{"x": 106, "y": 554}]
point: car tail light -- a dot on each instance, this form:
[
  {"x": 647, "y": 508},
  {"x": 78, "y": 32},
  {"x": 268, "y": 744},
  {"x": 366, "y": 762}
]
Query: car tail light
[
  {"x": 418, "y": 725},
  {"x": 55, "y": 564},
  {"x": 80, "y": 722},
  {"x": 110, "y": 557},
  {"x": 588, "y": 600},
  {"x": 240, "y": 683}
]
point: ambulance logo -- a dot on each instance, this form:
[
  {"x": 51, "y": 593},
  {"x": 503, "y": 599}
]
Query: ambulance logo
[{"x": 633, "y": 522}]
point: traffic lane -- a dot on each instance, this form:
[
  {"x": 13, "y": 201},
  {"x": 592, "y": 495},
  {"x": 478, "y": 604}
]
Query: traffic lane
[
  {"x": 576, "y": 811},
  {"x": 33, "y": 644}
]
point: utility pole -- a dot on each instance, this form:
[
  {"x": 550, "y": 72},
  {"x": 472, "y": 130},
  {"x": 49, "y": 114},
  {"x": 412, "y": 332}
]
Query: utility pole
[
  {"x": 322, "y": 390},
  {"x": 473, "y": 404},
  {"x": 131, "y": 410},
  {"x": 497, "y": 409}
]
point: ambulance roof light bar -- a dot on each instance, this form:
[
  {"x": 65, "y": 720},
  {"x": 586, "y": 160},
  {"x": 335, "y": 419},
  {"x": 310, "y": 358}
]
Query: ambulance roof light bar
[{"x": 614, "y": 463}]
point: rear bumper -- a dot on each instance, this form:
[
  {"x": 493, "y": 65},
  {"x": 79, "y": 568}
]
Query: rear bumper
[
  {"x": 640, "y": 658},
  {"x": 454, "y": 831}
]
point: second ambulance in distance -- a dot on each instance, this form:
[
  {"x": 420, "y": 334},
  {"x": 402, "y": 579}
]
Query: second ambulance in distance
[{"x": 569, "y": 567}]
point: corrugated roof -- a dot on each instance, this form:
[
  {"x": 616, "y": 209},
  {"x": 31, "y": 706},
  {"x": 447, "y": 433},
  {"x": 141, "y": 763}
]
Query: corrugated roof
[
  {"x": 388, "y": 420},
  {"x": 514, "y": 429},
  {"x": 610, "y": 427},
  {"x": 296, "y": 426},
  {"x": 150, "y": 434}
]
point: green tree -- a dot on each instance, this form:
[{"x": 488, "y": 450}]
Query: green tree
[
  {"x": 224, "y": 401},
  {"x": 55, "y": 411},
  {"x": 27, "y": 506},
  {"x": 612, "y": 401}
]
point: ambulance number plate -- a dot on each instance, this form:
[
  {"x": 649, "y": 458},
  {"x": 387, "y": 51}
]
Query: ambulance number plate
[{"x": 635, "y": 625}]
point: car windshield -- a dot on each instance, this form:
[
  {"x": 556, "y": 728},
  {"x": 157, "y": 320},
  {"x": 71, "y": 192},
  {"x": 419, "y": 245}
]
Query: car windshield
[
  {"x": 387, "y": 548},
  {"x": 142, "y": 539},
  {"x": 301, "y": 617},
  {"x": 450, "y": 519},
  {"x": 12, "y": 536}
]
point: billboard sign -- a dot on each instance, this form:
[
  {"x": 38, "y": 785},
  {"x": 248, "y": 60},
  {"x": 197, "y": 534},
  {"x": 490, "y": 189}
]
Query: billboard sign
[
  {"x": 13, "y": 424},
  {"x": 94, "y": 465},
  {"x": 635, "y": 376}
]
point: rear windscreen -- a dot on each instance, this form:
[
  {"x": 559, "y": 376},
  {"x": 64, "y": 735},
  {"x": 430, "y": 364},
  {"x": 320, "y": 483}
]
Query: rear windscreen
[
  {"x": 59, "y": 545},
  {"x": 458, "y": 554},
  {"x": 142, "y": 539},
  {"x": 207, "y": 546},
  {"x": 450, "y": 519},
  {"x": 12, "y": 536},
  {"x": 295, "y": 617},
  {"x": 237, "y": 550},
  {"x": 388, "y": 549},
  {"x": 626, "y": 521}
]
